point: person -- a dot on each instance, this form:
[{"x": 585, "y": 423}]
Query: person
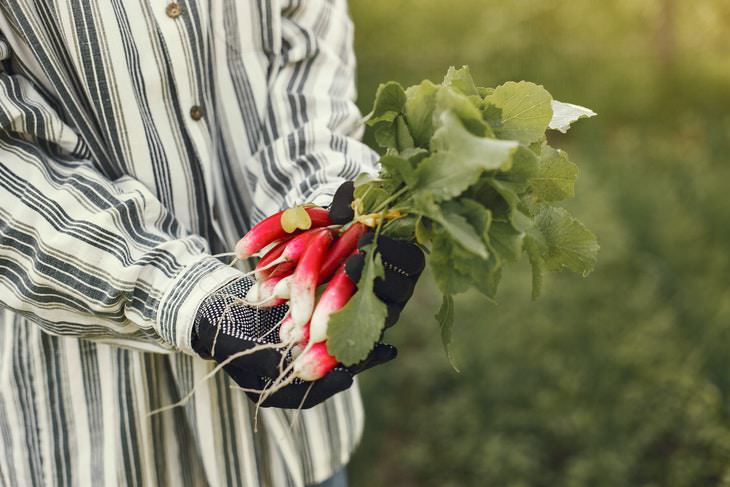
[{"x": 138, "y": 140}]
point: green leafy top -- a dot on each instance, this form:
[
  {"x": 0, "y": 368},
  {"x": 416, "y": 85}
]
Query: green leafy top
[{"x": 469, "y": 174}]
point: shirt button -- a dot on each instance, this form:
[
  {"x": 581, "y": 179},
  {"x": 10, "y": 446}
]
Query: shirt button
[
  {"x": 197, "y": 112},
  {"x": 173, "y": 10}
]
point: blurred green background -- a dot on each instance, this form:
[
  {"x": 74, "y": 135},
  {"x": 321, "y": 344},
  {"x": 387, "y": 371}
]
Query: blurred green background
[{"x": 618, "y": 379}]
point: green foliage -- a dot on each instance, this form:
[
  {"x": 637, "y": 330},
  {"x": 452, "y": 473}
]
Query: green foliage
[
  {"x": 479, "y": 150},
  {"x": 619, "y": 380},
  {"x": 475, "y": 184}
]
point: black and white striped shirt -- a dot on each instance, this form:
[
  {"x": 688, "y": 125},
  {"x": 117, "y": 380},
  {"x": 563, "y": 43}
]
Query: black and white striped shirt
[{"x": 138, "y": 137}]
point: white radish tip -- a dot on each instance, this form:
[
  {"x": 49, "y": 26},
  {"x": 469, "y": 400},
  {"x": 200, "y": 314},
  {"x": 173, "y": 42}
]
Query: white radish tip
[
  {"x": 241, "y": 249},
  {"x": 289, "y": 332},
  {"x": 283, "y": 288},
  {"x": 286, "y": 331},
  {"x": 318, "y": 325},
  {"x": 301, "y": 306},
  {"x": 252, "y": 296}
]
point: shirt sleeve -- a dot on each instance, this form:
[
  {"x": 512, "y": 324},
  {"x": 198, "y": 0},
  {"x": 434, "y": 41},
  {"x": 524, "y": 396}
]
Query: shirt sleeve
[
  {"x": 85, "y": 256},
  {"x": 312, "y": 125}
]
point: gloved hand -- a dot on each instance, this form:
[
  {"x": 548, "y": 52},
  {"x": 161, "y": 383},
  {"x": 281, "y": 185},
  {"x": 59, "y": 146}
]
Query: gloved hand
[
  {"x": 240, "y": 327},
  {"x": 403, "y": 261}
]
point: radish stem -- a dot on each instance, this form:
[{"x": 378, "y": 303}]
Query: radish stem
[{"x": 395, "y": 196}]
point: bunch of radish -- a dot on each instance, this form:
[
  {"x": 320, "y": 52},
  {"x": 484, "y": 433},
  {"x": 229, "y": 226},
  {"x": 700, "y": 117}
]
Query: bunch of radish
[
  {"x": 301, "y": 250},
  {"x": 466, "y": 173}
]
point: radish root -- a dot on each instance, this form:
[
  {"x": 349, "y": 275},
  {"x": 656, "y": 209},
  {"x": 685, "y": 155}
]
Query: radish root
[
  {"x": 298, "y": 411},
  {"x": 184, "y": 400},
  {"x": 286, "y": 375}
]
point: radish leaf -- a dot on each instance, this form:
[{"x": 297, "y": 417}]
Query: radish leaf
[
  {"x": 295, "y": 218},
  {"x": 568, "y": 243},
  {"x": 464, "y": 108},
  {"x": 445, "y": 318},
  {"x": 538, "y": 265},
  {"x": 454, "y": 224},
  {"x": 401, "y": 228},
  {"x": 353, "y": 331},
  {"x": 400, "y": 168},
  {"x": 564, "y": 114},
  {"x": 403, "y": 139},
  {"x": 555, "y": 178},
  {"x": 390, "y": 100},
  {"x": 419, "y": 108},
  {"x": 506, "y": 241},
  {"x": 477, "y": 215},
  {"x": 456, "y": 270},
  {"x": 461, "y": 80},
  {"x": 526, "y": 111},
  {"x": 459, "y": 159}
]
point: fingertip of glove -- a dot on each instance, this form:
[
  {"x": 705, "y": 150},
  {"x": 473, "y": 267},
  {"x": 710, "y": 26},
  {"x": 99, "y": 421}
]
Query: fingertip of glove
[
  {"x": 353, "y": 267},
  {"x": 384, "y": 352},
  {"x": 381, "y": 353},
  {"x": 338, "y": 379},
  {"x": 335, "y": 381},
  {"x": 393, "y": 316},
  {"x": 403, "y": 254},
  {"x": 341, "y": 210}
]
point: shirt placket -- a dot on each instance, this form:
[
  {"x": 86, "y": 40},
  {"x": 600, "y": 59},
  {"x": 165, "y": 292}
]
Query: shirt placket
[{"x": 173, "y": 19}]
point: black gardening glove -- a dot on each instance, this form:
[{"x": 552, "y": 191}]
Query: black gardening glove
[
  {"x": 242, "y": 327},
  {"x": 403, "y": 260}
]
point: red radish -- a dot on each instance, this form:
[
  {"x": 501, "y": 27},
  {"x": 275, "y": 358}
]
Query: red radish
[
  {"x": 314, "y": 363},
  {"x": 252, "y": 295},
  {"x": 306, "y": 275},
  {"x": 283, "y": 287},
  {"x": 289, "y": 333},
  {"x": 290, "y": 254},
  {"x": 263, "y": 293},
  {"x": 335, "y": 296},
  {"x": 283, "y": 269},
  {"x": 286, "y": 330},
  {"x": 268, "y": 258},
  {"x": 320, "y": 217},
  {"x": 342, "y": 249},
  {"x": 296, "y": 246},
  {"x": 269, "y": 230}
]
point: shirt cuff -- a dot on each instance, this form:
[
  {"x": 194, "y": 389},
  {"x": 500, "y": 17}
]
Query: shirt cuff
[{"x": 180, "y": 302}]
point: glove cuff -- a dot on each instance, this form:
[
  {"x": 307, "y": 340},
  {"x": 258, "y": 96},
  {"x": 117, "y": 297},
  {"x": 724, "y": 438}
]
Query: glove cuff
[{"x": 180, "y": 302}]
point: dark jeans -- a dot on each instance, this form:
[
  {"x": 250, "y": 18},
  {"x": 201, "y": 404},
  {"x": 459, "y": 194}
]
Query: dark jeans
[{"x": 339, "y": 479}]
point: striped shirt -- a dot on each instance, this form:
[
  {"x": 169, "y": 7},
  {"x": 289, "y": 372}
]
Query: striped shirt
[{"x": 138, "y": 138}]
